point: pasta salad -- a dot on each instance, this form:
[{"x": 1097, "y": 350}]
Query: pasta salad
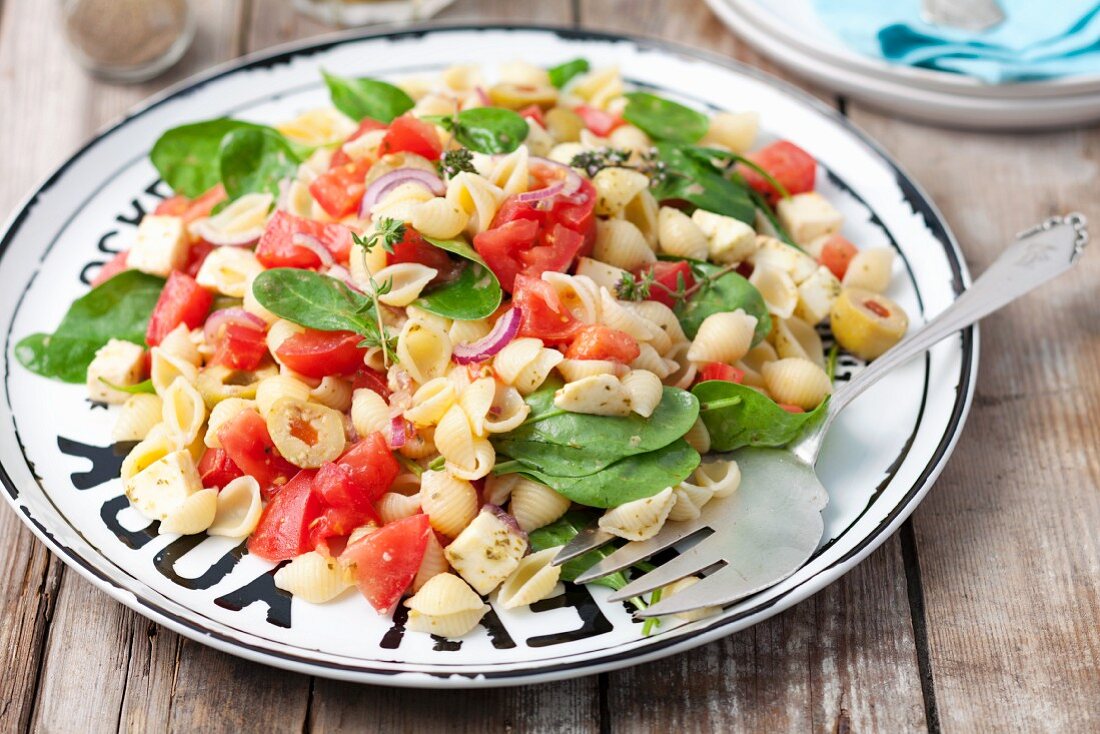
[{"x": 414, "y": 341}]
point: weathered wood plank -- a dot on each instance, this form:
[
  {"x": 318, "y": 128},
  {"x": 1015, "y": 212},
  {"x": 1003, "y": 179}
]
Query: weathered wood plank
[
  {"x": 40, "y": 128},
  {"x": 846, "y": 658},
  {"x": 1008, "y": 544}
]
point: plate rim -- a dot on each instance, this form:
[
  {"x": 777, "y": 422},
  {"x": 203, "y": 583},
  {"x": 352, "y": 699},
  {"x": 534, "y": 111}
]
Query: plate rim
[{"x": 914, "y": 195}]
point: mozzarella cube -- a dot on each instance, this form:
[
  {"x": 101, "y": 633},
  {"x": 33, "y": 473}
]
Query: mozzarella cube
[
  {"x": 816, "y": 295},
  {"x": 808, "y": 216},
  {"x": 119, "y": 363},
  {"x": 778, "y": 254},
  {"x": 729, "y": 240},
  {"x": 594, "y": 395},
  {"x": 486, "y": 551},
  {"x": 161, "y": 245},
  {"x": 161, "y": 488}
]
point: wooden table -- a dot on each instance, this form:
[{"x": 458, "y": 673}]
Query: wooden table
[{"x": 982, "y": 614}]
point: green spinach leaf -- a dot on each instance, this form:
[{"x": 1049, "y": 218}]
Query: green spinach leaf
[
  {"x": 663, "y": 119},
  {"x": 565, "y": 444},
  {"x": 254, "y": 160},
  {"x": 689, "y": 175},
  {"x": 315, "y": 301},
  {"x": 563, "y": 531},
  {"x": 633, "y": 478},
  {"x": 188, "y": 157},
  {"x": 475, "y": 294},
  {"x": 727, "y": 292},
  {"x": 562, "y": 74},
  {"x": 116, "y": 309},
  {"x": 736, "y": 416},
  {"x": 359, "y": 98},
  {"x": 486, "y": 129}
]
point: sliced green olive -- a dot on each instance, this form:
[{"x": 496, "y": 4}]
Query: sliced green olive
[
  {"x": 565, "y": 125},
  {"x": 518, "y": 96},
  {"x": 217, "y": 383},
  {"x": 867, "y": 323}
]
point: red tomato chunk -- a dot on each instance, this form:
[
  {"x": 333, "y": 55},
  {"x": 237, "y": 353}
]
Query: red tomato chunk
[
  {"x": 836, "y": 254},
  {"x": 788, "y": 164},
  {"x": 602, "y": 342},
  {"x": 386, "y": 561},
  {"x": 544, "y": 315},
  {"x": 240, "y": 347},
  {"x": 410, "y": 135},
  {"x": 340, "y": 190},
  {"x": 322, "y": 353},
  {"x": 277, "y": 248},
  {"x": 283, "y": 532},
  {"x": 719, "y": 371},
  {"x": 668, "y": 277},
  {"x": 371, "y": 467},
  {"x": 216, "y": 469},
  {"x": 183, "y": 301},
  {"x": 249, "y": 446}
]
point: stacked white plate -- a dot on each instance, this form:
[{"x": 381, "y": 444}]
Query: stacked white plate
[{"x": 792, "y": 35}]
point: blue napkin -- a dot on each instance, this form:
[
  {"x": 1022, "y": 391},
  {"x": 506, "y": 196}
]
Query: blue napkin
[{"x": 1039, "y": 39}]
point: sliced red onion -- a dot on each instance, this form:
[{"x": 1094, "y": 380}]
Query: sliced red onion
[
  {"x": 218, "y": 320},
  {"x": 204, "y": 229},
  {"x": 392, "y": 180},
  {"x": 504, "y": 331},
  {"x": 314, "y": 245},
  {"x": 508, "y": 520},
  {"x": 398, "y": 432},
  {"x": 570, "y": 177},
  {"x": 540, "y": 194},
  {"x": 341, "y": 273},
  {"x": 483, "y": 96}
]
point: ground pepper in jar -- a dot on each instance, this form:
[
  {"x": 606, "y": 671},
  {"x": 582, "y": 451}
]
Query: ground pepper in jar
[{"x": 128, "y": 39}]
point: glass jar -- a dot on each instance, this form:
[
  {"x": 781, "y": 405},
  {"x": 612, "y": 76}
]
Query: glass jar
[
  {"x": 128, "y": 40},
  {"x": 361, "y": 12}
]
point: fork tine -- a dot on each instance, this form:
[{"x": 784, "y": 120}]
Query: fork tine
[
  {"x": 694, "y": 559},
  {"x": 722, "y": 587},
  {"x": 639, "y": 550},
  {"x": 588, "y": 539}
]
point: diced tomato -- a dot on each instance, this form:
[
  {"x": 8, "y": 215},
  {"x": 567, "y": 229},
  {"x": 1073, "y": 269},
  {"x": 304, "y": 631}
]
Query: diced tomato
[
  {"x": 599, "y": 122},
  {"x": 667, "y": 280},
  {"x": 336, "y": 522},
  {"x": 371, "y": 380},
  {"x": 336, "y": 487},
  {"x": 720, "y": 371},
  {"x": 386, "y": 561},
  {"x": 339, "y": 190},
  {"x": 277, "y": 248},
  {"x": 339, "y": 158},
  {"x": 788, "y": 164},
  {"x": 532, "y": 238},
  {"x": 415, "y": 249},
  {"x": 111, "y": 268},
  {"x": 183, "y": 301},
  {"x": 216, "y": 469},
  {"x": 196, "y": 256},
  {"x": 534, "y": 112},
  {"x": 321, "y": 353},
  {"x": 409, "y": 135},
  {"x": 284, "y": 528},
  {"x": 544, "y": 315},
  {"x": 248, "y": 445},
  {"x": 791, "y": 408},
  {"x": 602, "y": 342},
  {"x": 191, "y": 209},
  {"x": 371, "y": 465},
  {"x": 836, "y": 253},
  {"x": 240, "y": 347}
]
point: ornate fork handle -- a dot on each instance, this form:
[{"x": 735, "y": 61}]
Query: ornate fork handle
[{"x": 1038, "y": 254}]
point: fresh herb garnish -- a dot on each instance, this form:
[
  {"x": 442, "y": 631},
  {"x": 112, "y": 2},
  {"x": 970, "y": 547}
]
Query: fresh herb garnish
[
  {"x": 456, "y": 161},
  {"x": 360, "y": 98},
  {"x": 145, "y": 387},
  {"x": 388, "y": 233},
  {"x": 561, "y": 74},
  {"x": 652, "y": 622},
  {"x": 486, "y": 129},
  {"x": 630, "y": 288},
  {"x": 437, "y": 464},
  {"x": 116, "y": 309},
  {"x": 663, "y": 119},
  {"x": 830, "y": 362},
  {"x": 594, "y": 161}
]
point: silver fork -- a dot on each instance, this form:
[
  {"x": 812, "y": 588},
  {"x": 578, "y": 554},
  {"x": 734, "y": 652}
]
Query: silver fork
[{"x": 743, "y": 537}]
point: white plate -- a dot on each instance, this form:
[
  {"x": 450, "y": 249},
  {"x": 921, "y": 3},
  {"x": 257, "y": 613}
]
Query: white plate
[
  {"x": 792, "y": 35},
  {"x": 60, "y": 473}
]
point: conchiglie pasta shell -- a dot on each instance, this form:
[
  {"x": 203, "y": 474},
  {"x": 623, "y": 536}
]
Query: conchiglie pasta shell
[
  {"x": 183, "y": 412},
  {"x": 695, "y": 614},
  {"x": 681, "y": 370},
  {"x": 477, "y": 198},
  {"x": 392, "y": 506},
  {"x": 450, "y": 503},
  {"x": 165, "y": 368},
  {"x": 424, "y": 351},
  {"x": 534, "y": 579},
  {"x": 238, "y": 508},
  {"x": 465, "y": 332},
  {"x": 641, "y": 211},
  {"x": 644, "y": 389},
  {"x": 599, "y": 87},
  {"x": 534, "y": 374},
  {"x": 797, "y": 382},
  {"x": 369, "y": 412},
  {"x": 600, "y": 273},
  {"x": 444, "y": 594},
  {"x": 689, "y": 501},
  {"x": 485, "y": 457},
  {"x": 620, "y": 243},
  {"x": 576, "y": 369},
  {"x": 648, "y": 359},
  {"x": 406, "y": 281},
  {"x": 778, "y": 290},
  {"x": 431, "y": 401},
  {"x": 272, "y": 389},
  {"x": 432, "y": 564},
  {"x": 498, "y": 488},
  {"x": 312, "y": 577},
  {"x": 439, "y": 218},
  {"x": 179, "y": 343},
  {"x": 640, "y": 519},
  {"x": 508, "y": 411},
  {"x": 578, "y": 294},
  {"x": 698, "y": 437},
  {"x": 615, "y": 187},
  {"x": 229, "y": 270},
  {"x": 723, "y": 337},
  {"x": 421, "y": 444},
  {"x": 535, "y": 505},
  {"x": 476, "y": 400},
  {"x": 137, "y": 416},
  {"x": 333, "y": 392},
  {"x": 193, "y": 515},
  {"x": 618, "y": 315},
  {"x": 721, "y": 476},
  {"x": 451, "y": 626},
  {"x": 454, "y": 438},
  {"x": 793, "y": 337},
  {"x": 154, "y": 447},
  {"x": 678, "y": 235},
  {"x": 515, "y": 357}
]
